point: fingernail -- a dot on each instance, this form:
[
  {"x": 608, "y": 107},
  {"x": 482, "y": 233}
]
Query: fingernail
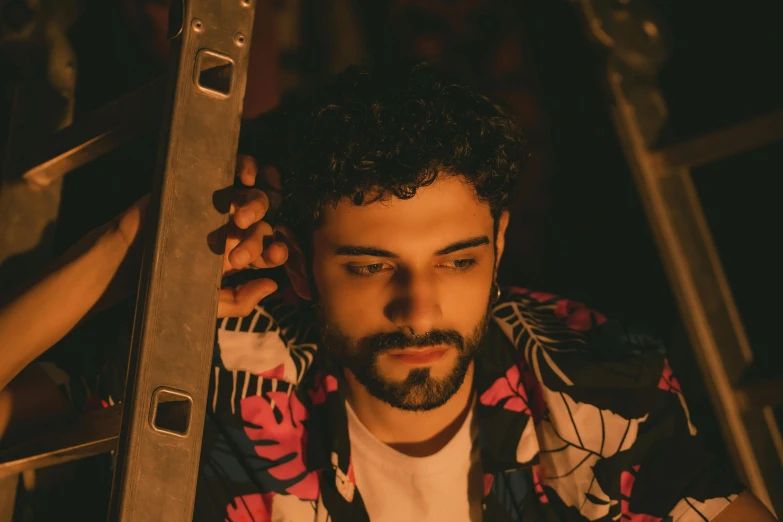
[{"x": 242, "y": 257}]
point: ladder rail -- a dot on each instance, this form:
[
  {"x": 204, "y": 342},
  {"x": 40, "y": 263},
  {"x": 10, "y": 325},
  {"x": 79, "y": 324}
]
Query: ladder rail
[
  {"x": 197, "y": 108},
  {"x": 698, "y": 309},
  {"x": 632, "y": 33},
  {"x": 175, "y": 327}
]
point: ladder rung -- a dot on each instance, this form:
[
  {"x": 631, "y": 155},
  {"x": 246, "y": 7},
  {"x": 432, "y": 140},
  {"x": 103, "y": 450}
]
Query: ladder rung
[
  {"x": 97, "y": 134},
  {"x": 724, "y": 143},
  {"x": 91, "y": 434},
  {"x": 760, "y": 392}
]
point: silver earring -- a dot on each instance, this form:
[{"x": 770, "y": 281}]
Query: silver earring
[{"x": 496, "y": 292}]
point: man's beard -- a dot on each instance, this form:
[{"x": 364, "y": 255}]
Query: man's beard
[{"x": 419, "y": 391}]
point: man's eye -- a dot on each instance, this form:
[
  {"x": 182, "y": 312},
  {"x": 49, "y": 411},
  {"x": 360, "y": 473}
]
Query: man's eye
[
  {"x": 460, "y": 264},
  {"x": 367, "y": 270}
]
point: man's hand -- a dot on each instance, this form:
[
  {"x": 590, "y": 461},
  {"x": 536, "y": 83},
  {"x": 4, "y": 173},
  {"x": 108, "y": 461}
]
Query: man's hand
[{"x": 250, "y": 241}]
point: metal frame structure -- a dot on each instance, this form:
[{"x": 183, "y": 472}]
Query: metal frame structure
[
  {"x": 633, "y": 35},
  {"x": 198, "y": 109}
]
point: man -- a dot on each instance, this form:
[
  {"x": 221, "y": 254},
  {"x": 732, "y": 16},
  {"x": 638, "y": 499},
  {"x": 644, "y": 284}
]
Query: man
[
  {"x": 394, "y": 380},
  {"x": 412, "y": 387}
]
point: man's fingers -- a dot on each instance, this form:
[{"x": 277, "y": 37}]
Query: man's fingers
[
  {"x": 251, "y": 247},
  {"x": 274, "y": 254},
  {"x": 247, "y": 169},
  {"x": 240, "y": 302},
  {"x": 249, "y": 207},
  {"x": 231, "y": 243}
]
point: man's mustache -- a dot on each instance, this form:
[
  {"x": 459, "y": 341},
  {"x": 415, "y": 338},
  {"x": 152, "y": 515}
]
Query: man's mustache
[{"x": 387, "y": 341}]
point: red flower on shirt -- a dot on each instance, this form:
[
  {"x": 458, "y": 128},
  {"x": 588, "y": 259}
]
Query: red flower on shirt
[
  {"x": 281, "y": 441},
  {"x": 323, "y": 384},
  {"x": 538, "y": 296},
  {"x": 489, "y": 478},
  {"x": 512, "y": 392},
  {"x": 250, "y": 508},
  {"x": 278, "y": 372},
  {"x": 538, "y": 486},
  {"x": 668, "y": 381},
  {"x": 576, "y": 315}
]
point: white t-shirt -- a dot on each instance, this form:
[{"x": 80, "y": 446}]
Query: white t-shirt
[{"x": 446, "y": 486}]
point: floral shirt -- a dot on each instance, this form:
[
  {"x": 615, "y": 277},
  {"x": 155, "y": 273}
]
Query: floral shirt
[{"x": 579, "y": 419}]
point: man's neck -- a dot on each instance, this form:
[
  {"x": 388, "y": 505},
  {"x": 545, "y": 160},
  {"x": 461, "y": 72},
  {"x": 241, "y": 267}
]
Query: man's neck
[{"x": 414, "y": 433}]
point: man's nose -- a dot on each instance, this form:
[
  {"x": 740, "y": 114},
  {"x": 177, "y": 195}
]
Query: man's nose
[{"x": 415, "y": 309}]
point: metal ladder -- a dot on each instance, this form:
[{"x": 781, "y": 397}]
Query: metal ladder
[
  {"x": 631, "y": 33},
  {"x": 197, "y": 108}
]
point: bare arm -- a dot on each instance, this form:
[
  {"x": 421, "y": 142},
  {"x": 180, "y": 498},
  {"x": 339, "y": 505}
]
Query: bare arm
[
  {"x": 93, "y": 274},
  {"x": 745, "y": 507},
  {"x": 42, "y": 315},
  {"x": 78, "y": 282}
]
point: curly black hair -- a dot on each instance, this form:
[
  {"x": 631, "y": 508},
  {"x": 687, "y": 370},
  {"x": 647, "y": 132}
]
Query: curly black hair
[{"x": 371, "y": 134}]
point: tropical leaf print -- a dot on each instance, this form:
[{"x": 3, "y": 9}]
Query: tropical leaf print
[
  {"x": 535, "y": 330},
  {"x": 538, "y": 488},
  {"x": 574, "y": 315},
  {"x": 271, "y": 336},
  {"x": 272, "y": 507},
  {"x": 323, "y": 384},
  {"x": 275, "y": 422},
  {"x": 250, "y": 508},
  {"x": 691, "y": 510},
  {"x": 345, "y": 482},
  {"x": 687, "y": 510},
  {"x": 517, "y": 391},
  {"x": 669, "y": 383},
  {"x": 627, "y": 479},
  {"x": 570, "y": 444}
]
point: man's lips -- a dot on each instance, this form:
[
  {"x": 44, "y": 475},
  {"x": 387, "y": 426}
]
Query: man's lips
[{"x": 419, "y": 356}]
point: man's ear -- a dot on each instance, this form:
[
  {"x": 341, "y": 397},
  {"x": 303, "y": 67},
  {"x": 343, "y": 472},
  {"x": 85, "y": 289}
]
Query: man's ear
[
  {"x": 500, "y": 240},
  {"x": 296, "y": 264}
]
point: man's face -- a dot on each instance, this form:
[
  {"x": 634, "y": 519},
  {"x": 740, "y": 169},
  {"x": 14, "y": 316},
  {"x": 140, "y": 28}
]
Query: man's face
[{"x": 403, "y": 290}]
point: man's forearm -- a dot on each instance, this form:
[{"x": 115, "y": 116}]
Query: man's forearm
[
  {"x": 746, "y": 507},
  {"x": 48, "y": 310}
]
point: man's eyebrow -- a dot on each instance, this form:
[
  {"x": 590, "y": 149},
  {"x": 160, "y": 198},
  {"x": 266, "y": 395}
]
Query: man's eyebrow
[
  {"x": 356, "y": 250},
  {"x": 462, "y": 245}
]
